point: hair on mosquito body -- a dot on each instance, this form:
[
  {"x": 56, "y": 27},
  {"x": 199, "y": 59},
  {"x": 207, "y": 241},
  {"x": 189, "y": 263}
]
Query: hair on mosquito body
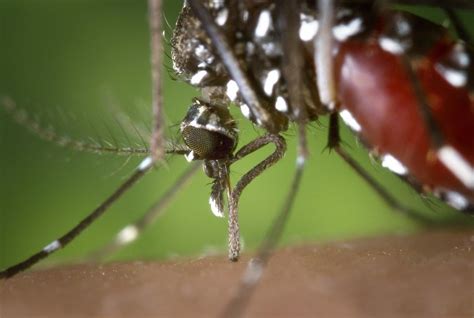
[{"x": 73, "y": 184}]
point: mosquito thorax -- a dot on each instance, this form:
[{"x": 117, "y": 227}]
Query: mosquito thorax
[{"x": 209, "y": 131}]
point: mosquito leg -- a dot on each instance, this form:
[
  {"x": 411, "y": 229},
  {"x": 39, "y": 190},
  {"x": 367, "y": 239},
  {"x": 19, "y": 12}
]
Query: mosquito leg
[
  {"x": 131, "y": 232},
  {"x": 323, "y": 59},
  {"x": 280, "y": 144},
  {"x": 424, "y": 109},
  {"x": 449, "y": 156},
  {"x": 334, "y": 142},
  {"x": 157, "y": 138},
  {"x": 458, "y": 26},
  {"x": 64, "y": 240},
  {"x": 292, "y": 60},
  {"x": 231, "y": 63},
  {"x": 256, "y": 266}
]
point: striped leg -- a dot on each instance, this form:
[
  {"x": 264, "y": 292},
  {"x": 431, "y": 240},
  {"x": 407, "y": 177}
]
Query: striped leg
[
  {"x": 280, "y": 144},
  {"x": 131, "y": 232},
  {"x": 65, "y": 239},
  {"x": 334, "y": 142},
  {"x": 236, "y": 306},
  {"x": 157, "y": 145}
]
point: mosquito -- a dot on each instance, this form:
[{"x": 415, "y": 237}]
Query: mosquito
[{"x": 271, "y": 94}]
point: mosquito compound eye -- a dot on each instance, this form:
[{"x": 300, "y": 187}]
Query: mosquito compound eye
[
  {"x": 207, "y": 144},
  {"x": 209, "y": 131}
]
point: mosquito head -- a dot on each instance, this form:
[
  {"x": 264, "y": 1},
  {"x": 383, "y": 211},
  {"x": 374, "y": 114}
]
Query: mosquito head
[{"x": 209, "y": 131}]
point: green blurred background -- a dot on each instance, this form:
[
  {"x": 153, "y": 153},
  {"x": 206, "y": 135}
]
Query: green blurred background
[{"x": 81, "y": 67}]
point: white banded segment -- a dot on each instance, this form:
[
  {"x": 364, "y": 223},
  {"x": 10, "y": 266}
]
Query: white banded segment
[
  {"x": 216, "y": 208},
  {"x": 308, "y": 27},
  {"x": 53, "y": 246},
  {"x": 263, "y": 24},
  {"x": 399, "y": 38},
  {"x": 392, "y": 45},
  {"x": 323, "y": 56},
  {"x": 190, "y": 156},
  {"x": 343, "y": 31},
  {"x": 455, "y": 68},
  {"x": 245, "y": 110},
  {"x": 271, "y": 79},
  {"x": 350, "y": 121},
  {"x": 281, "y": 105},
  {"x": 456, "y": 200},
  {"x": 222, "y": 16},
  {"x": 198, "y": 77},
  {"x": 127, "y": 234},
  {"x": 231, "y": 90},
  {"x": 458, "y": 165},
  {"x": 145, "y": 164},
  {"x": 204, "y": 55},
  {"x": 455, "y": 77},
  {"x": 253, "y": 272},
  {"x": 394, "y": 165}
]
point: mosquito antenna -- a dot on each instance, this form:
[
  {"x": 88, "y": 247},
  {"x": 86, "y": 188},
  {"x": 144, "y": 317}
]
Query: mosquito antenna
[
  {"x": 114, "y": 142},
  {"x": 157, "y": 146},
  {"x": 131, "y": 232},
  {"x": 140, "y": 136},
  {"x": 122, "y": 129},
  {"x": 48, "y": 134}
]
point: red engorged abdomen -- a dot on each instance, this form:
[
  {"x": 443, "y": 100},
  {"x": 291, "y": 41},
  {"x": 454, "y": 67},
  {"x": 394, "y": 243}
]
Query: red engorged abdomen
[{"x": 374, "y": 87}]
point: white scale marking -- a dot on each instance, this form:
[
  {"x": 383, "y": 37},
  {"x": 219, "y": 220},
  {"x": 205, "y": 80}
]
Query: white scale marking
[
  {"x": 214, "y": 120},
  {"x": 232, "y": 89},
  {"x": 245, "y": 110},
  {"x": 51, "y": 247},
  {"x": 146, "y": 163},
  {"x": 263, "y": 24},
  {"x": 245, "y": 16},
  {"x": 281, "y": 105},
  {"x": 461, "y": 55},
  {"x": 392, "y": 46},
  {"x": 458, "y": 165},
  {"x": 343, "y": 31},
  {"x": 197, "y": 78},
  {"x": 272, "y": 78},
  {"x": 253, "y": 272},
  {"x": 350, "y": 121},
  {"x": 127, "y": 234},
  {"x": 189, "y": 156},
  {"x": 308, "y": 28},
  {"x": 215, "y": 208},
  {"x": 456, "y": 78},
  {"x": 392, "y": 163},
  {"x": 222, "y": 16},
  {"x": 456, "y": 200},
  {"x": 403, "y": 27},
  {"x": 300, "y": 161},
  {"x": 200, "y": 51}
]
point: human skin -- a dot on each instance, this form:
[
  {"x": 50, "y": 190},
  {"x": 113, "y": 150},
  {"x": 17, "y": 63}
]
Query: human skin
[{"x": 429, "y": 274}]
